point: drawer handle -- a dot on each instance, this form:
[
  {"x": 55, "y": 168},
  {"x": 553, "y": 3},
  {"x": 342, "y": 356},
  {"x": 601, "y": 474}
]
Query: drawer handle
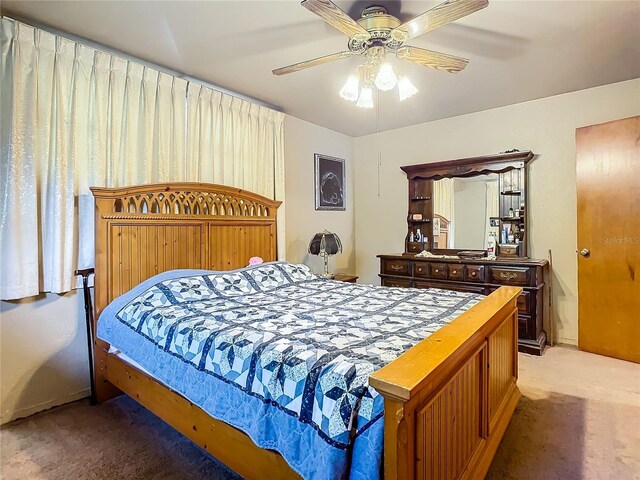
[
  {"x": 454, "y": 272},
  {"x": 508, "y": 276},
  {"x": 419, "y": 269},
  {"x": 397, "y": 268},
  {"x": 473, "y": 274},
  {"x": 436, "y": 270}
]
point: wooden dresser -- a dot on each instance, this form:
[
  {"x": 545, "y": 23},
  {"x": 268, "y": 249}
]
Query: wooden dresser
[{"x": 479, "y": 276}]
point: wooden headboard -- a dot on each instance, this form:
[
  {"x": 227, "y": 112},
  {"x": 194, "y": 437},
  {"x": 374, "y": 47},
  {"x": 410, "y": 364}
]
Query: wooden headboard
[{"x": 144, "y": 230}]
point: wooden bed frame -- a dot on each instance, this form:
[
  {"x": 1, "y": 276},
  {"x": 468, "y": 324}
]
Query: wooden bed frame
[{"x": 448, "y": 400}]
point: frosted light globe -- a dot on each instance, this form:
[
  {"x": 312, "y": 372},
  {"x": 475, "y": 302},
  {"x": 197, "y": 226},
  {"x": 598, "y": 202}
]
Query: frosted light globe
[
  {"x": 386, "y": 78},
  {"x": 350, "y": 89},
  {"x": 406, "y": 89},
  {"x": 366, "y": 98}
]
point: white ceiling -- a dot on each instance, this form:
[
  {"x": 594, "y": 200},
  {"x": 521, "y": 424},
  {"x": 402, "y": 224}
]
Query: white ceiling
[{"x": 519, "y": 51}]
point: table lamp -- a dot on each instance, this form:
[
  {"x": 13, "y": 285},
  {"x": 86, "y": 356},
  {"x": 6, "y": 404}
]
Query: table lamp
[{"x": 325, "y": 244}]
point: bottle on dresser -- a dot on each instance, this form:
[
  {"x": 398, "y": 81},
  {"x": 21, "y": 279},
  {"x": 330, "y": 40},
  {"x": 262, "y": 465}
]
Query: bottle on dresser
[{"x": 491, "y": 245}]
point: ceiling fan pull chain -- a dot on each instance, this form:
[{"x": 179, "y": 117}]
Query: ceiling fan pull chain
[{"x": 378, "y": 137}]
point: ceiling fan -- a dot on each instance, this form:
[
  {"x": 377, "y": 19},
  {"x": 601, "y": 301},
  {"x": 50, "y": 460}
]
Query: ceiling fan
[{"x": 376, "y": 32}]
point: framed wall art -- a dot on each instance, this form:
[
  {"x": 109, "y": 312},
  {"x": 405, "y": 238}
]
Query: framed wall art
[{"x": 329, "y": 183}]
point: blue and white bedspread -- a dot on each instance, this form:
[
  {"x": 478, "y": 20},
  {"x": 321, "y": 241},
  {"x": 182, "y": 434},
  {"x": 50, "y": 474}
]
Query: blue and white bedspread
[{"x": 280, "y": 353}]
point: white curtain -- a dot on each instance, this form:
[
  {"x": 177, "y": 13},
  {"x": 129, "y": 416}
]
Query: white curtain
[
  {"x": 492, "y": 209},
  {"x": 246, "y": 139},
  {"x": 74, "y": 117},
  {"x": 443, "y": 204}
]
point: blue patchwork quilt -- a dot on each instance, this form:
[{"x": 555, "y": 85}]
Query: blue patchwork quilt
[{"x": 280, "y": 353}]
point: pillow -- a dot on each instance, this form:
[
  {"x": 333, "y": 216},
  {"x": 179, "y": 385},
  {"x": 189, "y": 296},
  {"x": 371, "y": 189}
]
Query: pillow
[{"x": 255, "y": 261}]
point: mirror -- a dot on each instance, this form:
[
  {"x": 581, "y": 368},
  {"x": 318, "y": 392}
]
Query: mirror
[
  {"x": 463, "y": 208},
  {"x": 469, "y": 203}
]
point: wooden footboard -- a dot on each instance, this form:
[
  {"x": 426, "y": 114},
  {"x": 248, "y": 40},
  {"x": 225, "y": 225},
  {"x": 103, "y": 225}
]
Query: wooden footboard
[{"x": 449, "y": 399}]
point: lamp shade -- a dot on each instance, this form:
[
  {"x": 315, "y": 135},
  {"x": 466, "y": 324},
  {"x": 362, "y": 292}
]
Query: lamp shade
[{"x": 325, "y": 244}]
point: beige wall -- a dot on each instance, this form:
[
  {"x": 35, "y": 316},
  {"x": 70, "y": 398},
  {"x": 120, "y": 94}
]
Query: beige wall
[
  {"x": 546, "y": 126},
  {"x": 43, "y": 353},
  {"x": 302, "y": 141}
]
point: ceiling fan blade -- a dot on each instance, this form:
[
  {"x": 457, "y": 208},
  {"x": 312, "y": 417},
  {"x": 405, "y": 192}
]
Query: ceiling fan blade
[
  {"x": 311, "y": 63},
  {"x": 438, "y": 16},
  {"x": 428, "y": 58},
  {"x": 330, "y": 13}
]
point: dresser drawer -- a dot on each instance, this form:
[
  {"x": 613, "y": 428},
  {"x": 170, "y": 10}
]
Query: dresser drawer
[
  {"x": 455, "y": 272},
  {"x": 396, "y": 282},
  {"x": 458, "y": 287},
  {"x": 414, "y": 247},
  {"x": 421, "y": 269},
  {"x": 524, "y": 327},
  {"x": 510, "y": 275},
  {"x": 396, "y": 267},
  {"x": 524, "y": 302},
  {"x": 439, "y": 270},
  {"x": 474, "y": 273}
]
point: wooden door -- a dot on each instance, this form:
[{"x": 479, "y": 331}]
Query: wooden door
[{"x": 608, "y": 188}]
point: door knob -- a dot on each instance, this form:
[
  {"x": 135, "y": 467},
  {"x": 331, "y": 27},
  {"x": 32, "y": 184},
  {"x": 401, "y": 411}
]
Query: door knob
[{"x": 585, "y": 252}]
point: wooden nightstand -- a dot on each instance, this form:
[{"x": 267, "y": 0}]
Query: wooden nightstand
[{"x": 343, "y": 277}]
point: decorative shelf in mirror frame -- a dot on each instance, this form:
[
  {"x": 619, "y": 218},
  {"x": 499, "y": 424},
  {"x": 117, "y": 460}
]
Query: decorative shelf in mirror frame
[{"x": 511, "y": 167}]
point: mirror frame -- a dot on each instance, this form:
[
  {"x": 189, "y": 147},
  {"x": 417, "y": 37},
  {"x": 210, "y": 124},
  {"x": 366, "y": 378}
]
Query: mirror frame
[{"x": 465, "y": 167}]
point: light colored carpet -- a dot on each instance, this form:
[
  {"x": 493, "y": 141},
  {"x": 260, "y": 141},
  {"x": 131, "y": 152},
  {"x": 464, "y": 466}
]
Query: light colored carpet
[
  {"x": 116, "y": 440},
  {"x": 579, "y": 418}
]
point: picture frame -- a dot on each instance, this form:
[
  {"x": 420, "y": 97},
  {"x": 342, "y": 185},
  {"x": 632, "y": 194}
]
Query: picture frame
[{"x": 330, "y": 185}]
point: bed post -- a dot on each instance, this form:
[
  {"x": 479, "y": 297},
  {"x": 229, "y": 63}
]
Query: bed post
[
  {"x": 449, "y": 399},
  {"x": 104, "y": 390}
]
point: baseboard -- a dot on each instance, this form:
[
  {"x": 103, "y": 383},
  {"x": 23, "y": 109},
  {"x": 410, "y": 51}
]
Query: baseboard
[
  {"x": 28, "y": 411},
  {"x": 567, "y": 341}
]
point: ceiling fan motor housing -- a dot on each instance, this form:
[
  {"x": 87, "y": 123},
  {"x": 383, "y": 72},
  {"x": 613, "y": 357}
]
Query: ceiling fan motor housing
[{"x": 377, "y": 21}]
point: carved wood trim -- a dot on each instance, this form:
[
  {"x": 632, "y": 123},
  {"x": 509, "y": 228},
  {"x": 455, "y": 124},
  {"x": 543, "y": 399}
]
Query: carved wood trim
[
  {"x": 211, "y": 218},
  {"x": 469, "y": 167},
  {"x": 195, "y": 200}
]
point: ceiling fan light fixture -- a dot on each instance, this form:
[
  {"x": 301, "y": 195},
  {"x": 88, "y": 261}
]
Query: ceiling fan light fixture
[
  {"x": 377, "y": 33},
  {"x": 386, "y": 78},
  {"x": 406, "y": 89},
  {"x": 366, "y": 98},
  {"x": 350, "y": 89}
]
